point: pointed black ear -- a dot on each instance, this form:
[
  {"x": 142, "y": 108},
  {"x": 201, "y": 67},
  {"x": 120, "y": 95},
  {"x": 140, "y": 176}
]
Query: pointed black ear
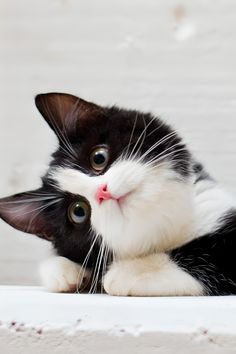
[
  {"x": 62, "y": 111},
  {"x": 26, "y": 212}
]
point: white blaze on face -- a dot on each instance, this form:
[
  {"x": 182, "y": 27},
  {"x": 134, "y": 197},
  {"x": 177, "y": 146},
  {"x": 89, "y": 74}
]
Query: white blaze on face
[{"x": 154, "y": 211}]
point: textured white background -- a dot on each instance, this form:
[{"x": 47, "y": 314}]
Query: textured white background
[{"x": 175, "y": 58}]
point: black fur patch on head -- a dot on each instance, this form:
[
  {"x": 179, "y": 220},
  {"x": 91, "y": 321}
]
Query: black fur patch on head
[{"x": 81, "y": 127}]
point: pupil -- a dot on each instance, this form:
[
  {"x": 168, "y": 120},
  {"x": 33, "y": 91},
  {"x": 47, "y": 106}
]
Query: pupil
[
  {"x": 79, "y": 211},
  {"x": 99, "y": 158}
]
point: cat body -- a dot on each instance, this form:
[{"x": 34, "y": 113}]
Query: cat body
[{"x": 124, "y": 202}]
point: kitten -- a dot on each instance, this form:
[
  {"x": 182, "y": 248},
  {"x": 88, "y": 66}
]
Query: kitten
[{"x": 124, "y": 201}]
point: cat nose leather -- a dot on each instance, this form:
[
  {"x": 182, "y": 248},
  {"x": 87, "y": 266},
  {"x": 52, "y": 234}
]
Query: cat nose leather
[{"x": 103, "y": 194}]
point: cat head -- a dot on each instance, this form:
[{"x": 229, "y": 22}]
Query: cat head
[{"x": 118, "y": 175}]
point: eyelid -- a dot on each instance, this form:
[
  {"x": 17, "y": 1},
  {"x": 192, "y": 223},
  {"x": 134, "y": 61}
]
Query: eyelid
[{"x": 95, "y": 147}]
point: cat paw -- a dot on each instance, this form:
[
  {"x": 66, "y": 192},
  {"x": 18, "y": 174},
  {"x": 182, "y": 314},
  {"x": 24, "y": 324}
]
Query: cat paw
[
  {"x": 118, "y": 281},
  {"x": 59, "y": 274},
  {"x": 153, "y": 275}
]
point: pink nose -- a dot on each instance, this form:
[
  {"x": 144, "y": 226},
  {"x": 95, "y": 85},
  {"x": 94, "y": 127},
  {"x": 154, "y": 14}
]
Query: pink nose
[{"x": 103, "y": 194}]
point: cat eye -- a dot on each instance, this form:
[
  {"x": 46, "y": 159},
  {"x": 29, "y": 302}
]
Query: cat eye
[
  {"x": 99, "y": 158},
  {"x": 78, "y": 212}
]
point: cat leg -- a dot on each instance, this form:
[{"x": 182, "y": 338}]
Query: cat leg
[
  {"x": 153, "y": 275},
  {"x": 59, "y": 274}
]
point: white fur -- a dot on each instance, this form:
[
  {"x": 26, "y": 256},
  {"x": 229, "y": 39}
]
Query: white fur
[
  {"x": 154, "y": 275},
  {"x": 59, "y": 274},
  {"x": 157, "y": 215},
  {"x": 211, "y": 203}
]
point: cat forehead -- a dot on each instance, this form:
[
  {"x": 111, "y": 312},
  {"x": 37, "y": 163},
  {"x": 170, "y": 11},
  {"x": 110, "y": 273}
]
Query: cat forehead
[
  {"x": 128, "y": 118},
  {"x": 113, "y": 119},
  {"x": 113, "y": 126},
  {"x": 71, "y": 117}
]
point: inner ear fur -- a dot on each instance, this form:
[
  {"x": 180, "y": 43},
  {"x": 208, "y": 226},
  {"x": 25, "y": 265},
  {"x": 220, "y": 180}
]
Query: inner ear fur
[
  {"x": 62, "y": 111},
  {"x": 24, "y": 212}
]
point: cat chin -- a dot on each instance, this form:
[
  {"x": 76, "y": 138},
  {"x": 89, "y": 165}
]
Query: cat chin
[
  {"x": 140, "y": 230},
  {"x": 155, "y": 214}
]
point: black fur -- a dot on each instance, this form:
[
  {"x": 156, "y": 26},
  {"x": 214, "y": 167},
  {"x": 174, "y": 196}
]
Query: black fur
[
  {"x": 200, "y": 173},
  {"x": 211, "y": 258}
]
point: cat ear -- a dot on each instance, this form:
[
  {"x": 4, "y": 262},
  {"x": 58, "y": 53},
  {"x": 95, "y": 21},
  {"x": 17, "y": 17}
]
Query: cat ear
[
  {"x": 24, "y": 211},
  {"x": 62, "y": 111}
]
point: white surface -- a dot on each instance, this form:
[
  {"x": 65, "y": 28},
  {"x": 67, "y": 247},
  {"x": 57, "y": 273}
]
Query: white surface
[
  {"x": 33, "y": 321},
  {"x": 175, "y": 58}
]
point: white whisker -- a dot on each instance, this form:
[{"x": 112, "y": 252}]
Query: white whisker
[
  {"x": 158, "y": 143},
  {"x": 84, "y": 264},
  {"x": 140, "y": 136},
  {"x": 96, "y": 269}
]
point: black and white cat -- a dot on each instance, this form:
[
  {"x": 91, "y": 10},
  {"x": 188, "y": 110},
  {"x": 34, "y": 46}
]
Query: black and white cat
[{"x": 124, "y": 201}]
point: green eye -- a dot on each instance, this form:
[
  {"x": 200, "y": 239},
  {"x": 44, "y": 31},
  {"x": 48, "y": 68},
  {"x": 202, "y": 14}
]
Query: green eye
[
  {"x": 78, "y": 212},
  {"x": 99, "y": 158}
]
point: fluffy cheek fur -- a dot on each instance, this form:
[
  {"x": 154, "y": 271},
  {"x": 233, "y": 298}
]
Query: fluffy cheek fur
[{"x": 155, "y": 214}]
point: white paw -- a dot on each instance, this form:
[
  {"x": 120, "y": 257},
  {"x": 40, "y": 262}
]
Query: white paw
[
  {"x": 154, "y": 275},
  {"x": 119, "y": 280},
  {"x": 59, "y": 274}
]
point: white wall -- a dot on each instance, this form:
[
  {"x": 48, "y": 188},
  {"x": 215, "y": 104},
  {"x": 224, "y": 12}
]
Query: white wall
[{"x": 175, "y": 58}]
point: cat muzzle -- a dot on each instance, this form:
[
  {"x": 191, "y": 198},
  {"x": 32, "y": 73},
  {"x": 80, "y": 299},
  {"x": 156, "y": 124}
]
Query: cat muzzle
[{"x": 103, "y": 194}]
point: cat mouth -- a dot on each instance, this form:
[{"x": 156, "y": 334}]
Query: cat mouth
[
  {"x": 121, "y": 200},
  {"x": 120, "y": 203}
]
